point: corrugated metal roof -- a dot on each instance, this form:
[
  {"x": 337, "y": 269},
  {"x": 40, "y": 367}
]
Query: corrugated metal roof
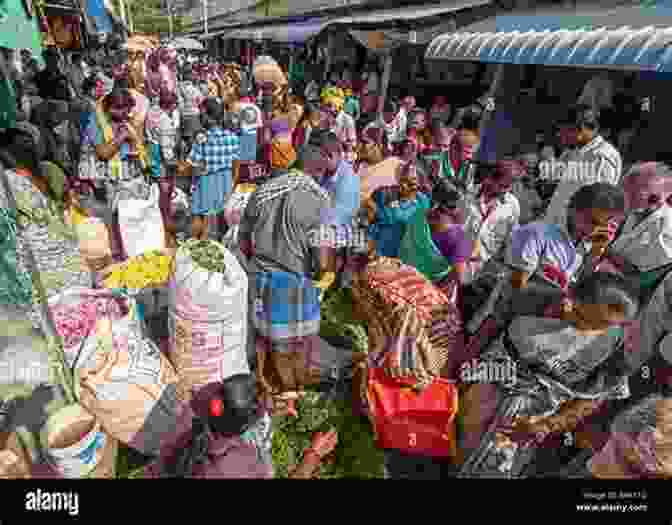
[{"x": 611, "y": 40}]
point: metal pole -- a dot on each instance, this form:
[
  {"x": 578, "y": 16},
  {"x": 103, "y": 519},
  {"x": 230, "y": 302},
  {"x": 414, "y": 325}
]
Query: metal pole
[
  {"x": 122, "y": 12},
  {"x": 205, "y": 17},
  {"x": 170, "y": 19}
]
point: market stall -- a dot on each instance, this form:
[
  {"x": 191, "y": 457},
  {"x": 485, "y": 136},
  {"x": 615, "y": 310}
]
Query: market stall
[
  {"x": 393, "y": 32},
  {"x": 19, "y": 27},
  {"x": 630, "y": 38}
]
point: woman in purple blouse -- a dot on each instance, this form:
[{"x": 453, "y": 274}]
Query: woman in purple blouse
[{"x": 435, "y": 242}]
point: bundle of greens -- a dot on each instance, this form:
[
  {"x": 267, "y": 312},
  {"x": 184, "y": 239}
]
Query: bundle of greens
[
  {"x": 356, "y": 455},
  {"x": 338, "y": 319},
  {"x": 206, "y": 254}
]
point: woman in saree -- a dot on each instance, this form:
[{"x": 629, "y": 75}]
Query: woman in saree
[
  {"x": 120, "y": 152},
  {"x": 228, "y": 435},
  {"x": 34, "y": 221},
  {"x": 333, "y": 101},
  {"x": 282, "y": 152},
  {"x": 373, "y": 168},
  {"x": 419, "y": 130},
  {"x": 558, "y": 372},
  {"x": 391, "y": 209},
  {"x": 280, "y": 234},
  {"x": 639, "y": 446},
  {"x": 310, "y": 120},
  {"x": 435, "y": 242}
]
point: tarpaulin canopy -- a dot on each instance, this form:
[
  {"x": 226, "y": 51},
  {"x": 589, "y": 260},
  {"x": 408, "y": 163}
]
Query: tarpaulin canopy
[
  {"x": 296, "y": 33},
  {"x": 405, "y": 14},
  {"x": 634, "y": 37},
  {"x": 389, "y": 37}
]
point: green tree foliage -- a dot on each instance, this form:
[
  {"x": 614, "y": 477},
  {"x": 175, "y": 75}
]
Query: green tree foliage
[{"x": 151, "y": 16}]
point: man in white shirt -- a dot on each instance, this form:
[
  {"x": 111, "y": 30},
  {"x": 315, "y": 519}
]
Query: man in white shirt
[
  {"x": 391, "y": 124},
  {"x": 491, "y": 216},
  {"x": 592, "y": 160}
]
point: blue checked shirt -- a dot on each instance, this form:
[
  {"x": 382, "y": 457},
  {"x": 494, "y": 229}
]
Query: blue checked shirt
[{"x": 217, "y": 153}]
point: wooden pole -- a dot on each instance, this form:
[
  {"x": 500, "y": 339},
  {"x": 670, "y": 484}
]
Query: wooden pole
[
  {"x": 131, "y": 27},
  {"x": 485, "y": 118},
  {"x": 385, "y": 83},
  {"x": 330, "y": 51}
]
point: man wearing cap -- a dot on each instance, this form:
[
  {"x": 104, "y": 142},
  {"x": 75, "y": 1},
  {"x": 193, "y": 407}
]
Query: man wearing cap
[{"x": 589, "y": 160}]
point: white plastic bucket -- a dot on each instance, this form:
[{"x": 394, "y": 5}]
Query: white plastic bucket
[{"x": 74, "y": 442}]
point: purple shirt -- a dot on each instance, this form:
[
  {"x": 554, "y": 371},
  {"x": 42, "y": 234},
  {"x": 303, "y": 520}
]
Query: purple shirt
[
  {"x": 538, "y": 244},
  {"x": 453, "y": 244}
]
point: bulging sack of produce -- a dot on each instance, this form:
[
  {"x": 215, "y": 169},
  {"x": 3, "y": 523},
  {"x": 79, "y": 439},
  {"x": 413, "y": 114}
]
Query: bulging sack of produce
[
  {"x": 141, "y": 224},
  {"x": 149, "y": 270},
  {"x": 207, "y": 316},
  {"x": 94, "y": 243},
  {"x": 128, "y": 384},
  {"x": 412, "y": 324},
  {"x": 12, "y": 466},
  {"x": 76, "y": 312}
]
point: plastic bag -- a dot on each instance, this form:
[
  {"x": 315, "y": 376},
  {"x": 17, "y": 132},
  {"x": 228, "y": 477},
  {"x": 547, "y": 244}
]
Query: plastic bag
[{"x": 141, "y": 224}]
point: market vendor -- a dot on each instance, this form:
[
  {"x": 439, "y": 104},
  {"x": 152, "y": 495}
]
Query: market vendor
[
  {"x": 229, "y": 435},
  {"x": 38, "y": 225},
  {"x": 391, "y": 209},
  {"x": 119, "y": 148}
]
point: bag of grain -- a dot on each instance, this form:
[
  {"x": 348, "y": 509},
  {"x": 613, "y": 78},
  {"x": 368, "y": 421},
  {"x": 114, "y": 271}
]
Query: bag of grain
[
  {"x": 94, "y": 243},
  {"x": 127, "y": 384},
  {"x": 207, "y": 316}
]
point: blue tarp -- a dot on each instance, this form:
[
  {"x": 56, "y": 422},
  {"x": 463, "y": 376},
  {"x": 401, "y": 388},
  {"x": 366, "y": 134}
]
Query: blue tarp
[
  {"x": 623, "y": 37},
  {"x": 97, "y": 12}
]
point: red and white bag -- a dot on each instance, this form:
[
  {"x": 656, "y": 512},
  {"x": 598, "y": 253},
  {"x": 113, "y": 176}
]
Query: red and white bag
[
  {"x": 207, "y": 318},
  {"x": 416, "y": 422}
]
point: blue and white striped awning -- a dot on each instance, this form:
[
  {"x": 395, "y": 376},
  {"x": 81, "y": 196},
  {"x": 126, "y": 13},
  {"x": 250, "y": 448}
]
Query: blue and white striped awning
[{"x": 630, "y": 46}]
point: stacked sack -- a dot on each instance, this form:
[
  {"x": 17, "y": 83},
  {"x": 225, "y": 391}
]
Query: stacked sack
[
  {"x": 207, "y": 316},
  {"x": 121, "y": 377}
]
